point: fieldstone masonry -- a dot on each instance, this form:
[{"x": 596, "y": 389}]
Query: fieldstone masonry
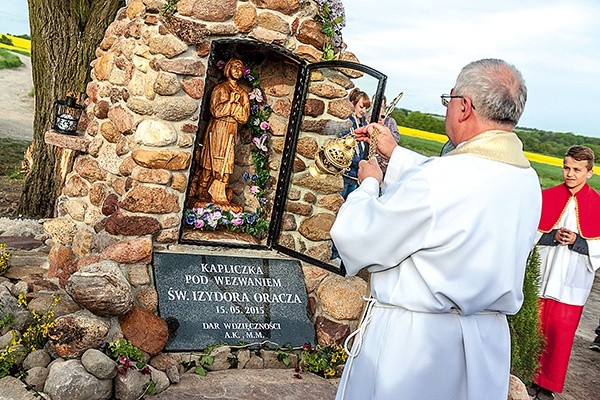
[{"x": 125, "y": 195}]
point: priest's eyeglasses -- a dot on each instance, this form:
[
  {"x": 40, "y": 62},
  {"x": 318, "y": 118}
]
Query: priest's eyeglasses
[{"x": 447, "y": 97}]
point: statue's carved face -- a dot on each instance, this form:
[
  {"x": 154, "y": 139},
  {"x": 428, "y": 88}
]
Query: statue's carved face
[{"x": 235, "y": 69}]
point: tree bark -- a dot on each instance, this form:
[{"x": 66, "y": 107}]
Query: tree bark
[{"x": 64, "y": 38}]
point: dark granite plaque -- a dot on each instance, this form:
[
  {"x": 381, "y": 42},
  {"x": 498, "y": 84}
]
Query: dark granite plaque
[{"x": 210, "y": 299}]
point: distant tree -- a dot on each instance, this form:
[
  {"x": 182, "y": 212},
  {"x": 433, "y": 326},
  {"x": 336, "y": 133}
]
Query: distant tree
[
  {"x": 424, "y": 122},
  {"x": 399, "y": 116},
  {"x": 64, "y": 38},
  {"x": 554, "y": 143}
]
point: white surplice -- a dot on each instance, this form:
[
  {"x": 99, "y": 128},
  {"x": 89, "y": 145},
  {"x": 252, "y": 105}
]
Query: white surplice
[
  {"x": 566, "y": 275},
  {"x": 446, "y": 244}
]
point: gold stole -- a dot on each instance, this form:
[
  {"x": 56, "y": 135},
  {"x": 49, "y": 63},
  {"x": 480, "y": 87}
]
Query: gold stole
[{"x": 496, "y": 145}]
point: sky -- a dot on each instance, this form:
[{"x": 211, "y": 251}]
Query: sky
[
  {"x": 14, "y": 17},
  {"x": 422, "y": 45}
]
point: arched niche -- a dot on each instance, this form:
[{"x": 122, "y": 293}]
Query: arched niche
[{"x": 275, "y": 205}]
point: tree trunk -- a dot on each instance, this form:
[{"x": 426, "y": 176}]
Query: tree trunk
[{"x": 64, "y": 38}]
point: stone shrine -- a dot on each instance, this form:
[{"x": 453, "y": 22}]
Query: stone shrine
[{"x": 128, "y": 193}]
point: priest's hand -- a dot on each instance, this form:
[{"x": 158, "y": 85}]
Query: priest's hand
[
  {"x": 565, "y": 236},
  {"x": 385, "y": 141},
  {"x": 368, "y": 169}
]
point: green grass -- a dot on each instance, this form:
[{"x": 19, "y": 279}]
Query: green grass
[
  {"x": 549, "y": 175},
  {"x": 9, "y": 60},
  {"x": 422, "y": 146},
  {"x": 11, "y": 155}
]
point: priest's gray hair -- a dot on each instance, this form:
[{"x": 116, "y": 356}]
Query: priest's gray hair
[{"x": 496, "y": 88}]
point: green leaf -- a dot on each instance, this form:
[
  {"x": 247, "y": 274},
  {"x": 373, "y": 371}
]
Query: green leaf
[
  {"x": 328, "y": 54},
  {"x": 327, "y": 30},
  {"x": 207, "y": 360},
  {"x": 200, "y": 370},
  {"x": 151, "y": 387}
]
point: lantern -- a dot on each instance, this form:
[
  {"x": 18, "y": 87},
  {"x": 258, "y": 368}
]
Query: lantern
[{"x": 67, "y": 115}]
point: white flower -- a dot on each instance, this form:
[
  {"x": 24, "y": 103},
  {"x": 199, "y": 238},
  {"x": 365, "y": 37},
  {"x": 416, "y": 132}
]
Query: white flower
[{"x": 256, "y": 95}]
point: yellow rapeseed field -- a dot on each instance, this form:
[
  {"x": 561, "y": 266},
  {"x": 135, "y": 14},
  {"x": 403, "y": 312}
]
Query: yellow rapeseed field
[
  {"x": 538, "y": 158},
  {"x": 18, "y": 44}
]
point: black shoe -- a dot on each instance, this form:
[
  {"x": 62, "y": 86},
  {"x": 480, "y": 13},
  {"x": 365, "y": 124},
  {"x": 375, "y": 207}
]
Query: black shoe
[
  {"x": 545, "y": 394},
  {"x": 533, "y": 390},
  {"x": 595, "y": 344}
]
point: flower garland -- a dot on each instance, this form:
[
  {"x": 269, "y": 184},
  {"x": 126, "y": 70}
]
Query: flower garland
[
  {"x": 260, "y": 128},
  {"x": 211, "y": 216}
]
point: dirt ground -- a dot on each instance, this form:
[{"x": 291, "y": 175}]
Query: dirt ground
[
  {"x": 583, "y": 375},
  {"x": 16, "y": 121},
  {"x": 16, "y": 107}
]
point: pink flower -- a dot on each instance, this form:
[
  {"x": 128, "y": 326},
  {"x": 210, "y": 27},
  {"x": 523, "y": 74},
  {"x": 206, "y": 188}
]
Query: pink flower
[
  {"x": 221, "y": 64},
  {"x": 125, "y": 362},
  {"x": 260, "y": 142},
  {"x": 246, "y": 71},
  {"x": 237, "y": 221},
  {"x": 198, "y": 224},
  {"x": 264, "y": 126},
  {"x": 253, "y": 189}
]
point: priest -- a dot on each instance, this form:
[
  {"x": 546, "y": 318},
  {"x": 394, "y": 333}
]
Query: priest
[{"x": 446, "y": 244}]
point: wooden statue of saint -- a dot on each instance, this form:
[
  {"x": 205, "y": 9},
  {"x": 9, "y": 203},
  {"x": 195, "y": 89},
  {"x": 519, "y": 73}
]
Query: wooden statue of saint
[{"x": 229, "y": 107}]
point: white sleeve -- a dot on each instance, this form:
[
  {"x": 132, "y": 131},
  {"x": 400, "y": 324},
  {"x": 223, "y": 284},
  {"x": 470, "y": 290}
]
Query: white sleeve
[
  {"x": 594, "y": 253},
  {"x": 380, "y": 232},
  {"x": 401, "y": 160}
]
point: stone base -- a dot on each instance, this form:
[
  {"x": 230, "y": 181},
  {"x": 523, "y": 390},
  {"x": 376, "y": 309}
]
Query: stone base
[{"x": 247, "y": 384}]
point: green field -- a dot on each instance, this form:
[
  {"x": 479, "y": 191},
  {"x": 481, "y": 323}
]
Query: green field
[
  {"x": 9, "y": 60},
  {"x": 549, "y": 175},
  {"x": 422, "y": 146}
]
